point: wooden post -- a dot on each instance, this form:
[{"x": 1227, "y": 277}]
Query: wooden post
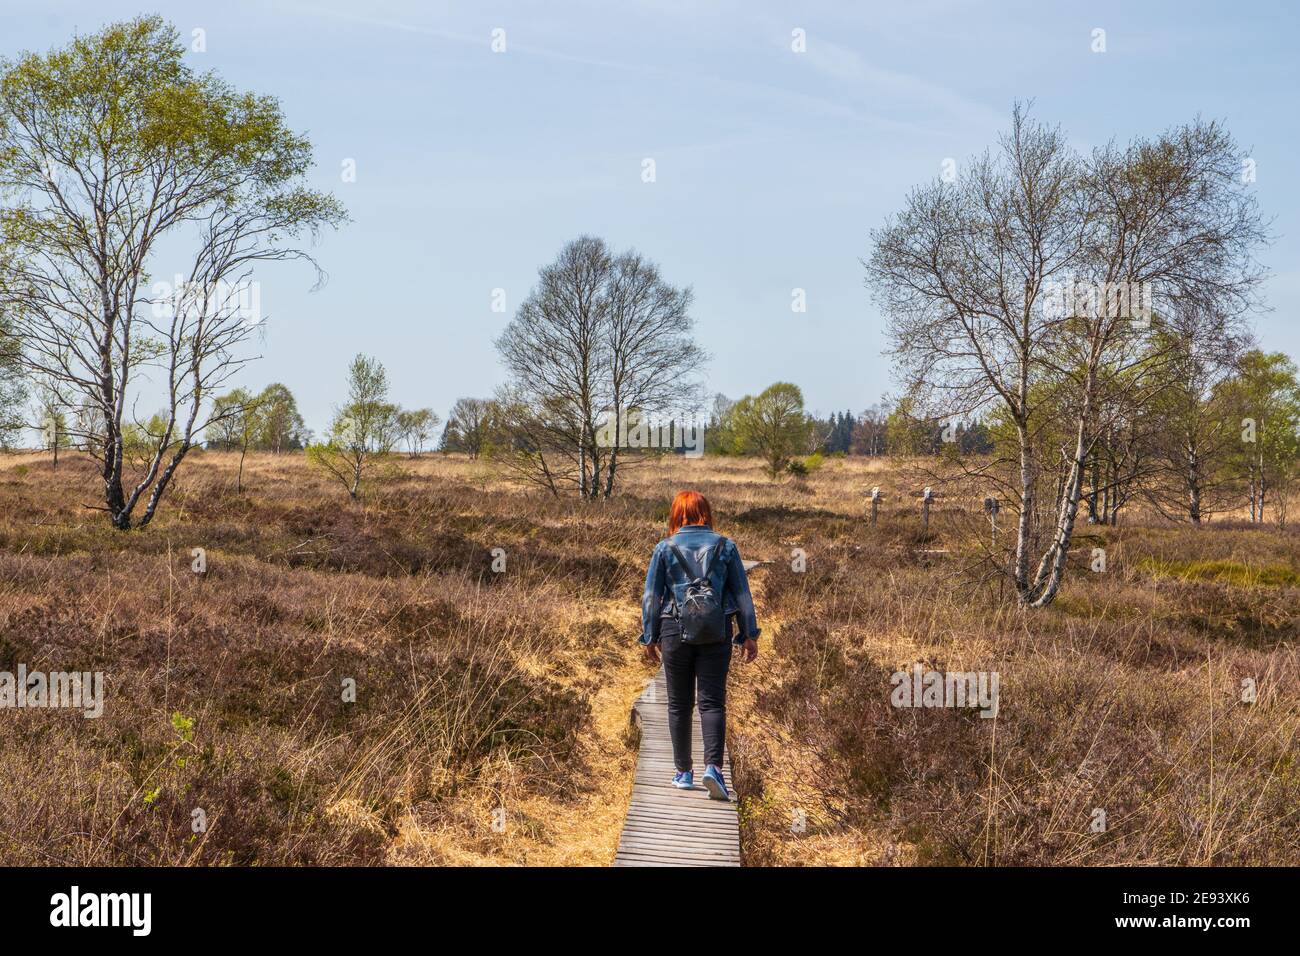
[
  {"x": 926, "y": 496},
  {"x": 991, "y": 509},
  {"x": 875, "y": 504}
]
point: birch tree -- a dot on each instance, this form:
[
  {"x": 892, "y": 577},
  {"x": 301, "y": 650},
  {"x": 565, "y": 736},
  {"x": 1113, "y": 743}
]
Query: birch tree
[
  {"x": 362, "y": 432},
  {"x": 1038, "y": 272},
  {"x": 13, "y": 388},
  {"x": 1264, "y": 399},
  {"x": 470, "y": 425},
  {"x": 1193, "y": 437},
  {"x": 416, "y": 426},
  {"x": 600, "y": 335},
  {"x": 114, "y": 154},
  {"x": 237, "y": 420}
]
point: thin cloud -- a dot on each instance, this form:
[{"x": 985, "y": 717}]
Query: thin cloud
[
  {"x": 847, "y": 66},
  {"x": 838, "y": 61}
]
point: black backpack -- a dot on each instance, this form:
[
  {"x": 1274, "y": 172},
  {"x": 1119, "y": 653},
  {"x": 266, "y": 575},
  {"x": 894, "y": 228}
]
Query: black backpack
[{"x": 699, "y": 603}]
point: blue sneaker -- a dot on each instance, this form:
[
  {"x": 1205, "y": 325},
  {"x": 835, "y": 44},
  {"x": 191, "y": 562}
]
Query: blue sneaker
[
  {"x": 714, "y": 783},
  {"x": 684, "y": 780}
]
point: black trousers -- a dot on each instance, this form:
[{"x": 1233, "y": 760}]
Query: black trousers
[{"x": 685, "y": 667}]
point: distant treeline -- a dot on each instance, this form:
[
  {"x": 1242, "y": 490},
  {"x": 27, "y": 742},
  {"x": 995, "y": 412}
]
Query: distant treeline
[
  {"x": 883, "y": 429},
  {"x": 772, "y": 425}
]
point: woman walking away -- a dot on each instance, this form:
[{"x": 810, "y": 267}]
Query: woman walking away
[{"x": 696, "y": 605}]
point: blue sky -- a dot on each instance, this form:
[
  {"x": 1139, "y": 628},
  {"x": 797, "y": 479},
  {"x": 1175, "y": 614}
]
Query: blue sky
[{"x": 772, "y": 166}]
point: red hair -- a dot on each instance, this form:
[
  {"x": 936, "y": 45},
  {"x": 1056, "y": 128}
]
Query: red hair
[{"x": 689, "y": 507}]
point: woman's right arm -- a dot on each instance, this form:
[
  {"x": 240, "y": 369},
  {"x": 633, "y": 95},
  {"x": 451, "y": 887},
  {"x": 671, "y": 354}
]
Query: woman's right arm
[
  {"x": 651, "y": 597},
  {"x": 738, "y": 584}
]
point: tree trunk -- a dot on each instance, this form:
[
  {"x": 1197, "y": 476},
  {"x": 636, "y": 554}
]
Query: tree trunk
[
  {"x": 114, "y": 496},
  {"x": 609, "y": 471},
  {"x": 1054, "y": 561},
  {"x": 163, "y": 481},
  {"x": 1020, "y": 572},
  {"x": 1093, "y": 516},
  {"x": 1108, "y": 495},
  {"x": 1051, "y": 570}
]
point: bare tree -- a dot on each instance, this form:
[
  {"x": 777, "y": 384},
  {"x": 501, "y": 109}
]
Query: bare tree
[
  {"x": 1123, "y": 460},
  {"x": 416, "y": 426},
  {"x": 237, "y": 419},
  {"x": 470, "y": 425},
  {"x": 650, "y": 355},
  {"x": 528, "y": 444},
  {"x": 600, "y": 337},
  {"x": 1030, "y": 285},
  {"x": 113, "y": 148},
  {"x": 51, "y": 420},
  {"x": 869, "y": 432}
]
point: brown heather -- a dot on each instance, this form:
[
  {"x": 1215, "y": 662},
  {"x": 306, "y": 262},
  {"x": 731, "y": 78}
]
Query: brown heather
[{"x": 478, "y": 691}]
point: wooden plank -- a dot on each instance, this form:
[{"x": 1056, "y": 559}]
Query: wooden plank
[
  {"x": 707, "y": 856},
  {"x": 666, "y": 826},
  {"x": 680, "y": 861},
  {"x": 676, "y": 800},
  {"x": 697, "y": 829},
  {"x": 652, "y": 844},
  {"x": 642, "y": 833},
  {"x": 637, "y": 861},
  {"x": 692, "y": 825},
  {"x": 682, "y": 851}
]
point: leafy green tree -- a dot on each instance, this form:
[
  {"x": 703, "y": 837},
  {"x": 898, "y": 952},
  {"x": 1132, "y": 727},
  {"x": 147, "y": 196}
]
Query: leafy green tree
[
  {"x": 772, "y": 425},
  {"x": 111, "y": 149},
  {"x": 1190, "y": 433},
  {"x": 906, "y": 432},
  {"x": 363, "y": 431},
  {"x": 142, "y": 438},
  {"x": 13, "y": 388},
  {"x": 1266, "y": 395},
  {"x": 282, "y": 427},
  {"x": 720, "y": 433}
]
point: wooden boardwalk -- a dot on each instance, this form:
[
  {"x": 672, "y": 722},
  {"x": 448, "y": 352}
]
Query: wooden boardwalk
[{"x": 666, "y": 826}]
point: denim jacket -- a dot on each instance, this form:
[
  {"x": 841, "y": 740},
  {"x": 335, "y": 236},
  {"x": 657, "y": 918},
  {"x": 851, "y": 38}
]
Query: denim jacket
[{"x": 657, "y": 600}]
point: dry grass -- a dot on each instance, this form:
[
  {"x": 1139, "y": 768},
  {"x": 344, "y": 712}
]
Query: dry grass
[{"x": 479, "y": 691}]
